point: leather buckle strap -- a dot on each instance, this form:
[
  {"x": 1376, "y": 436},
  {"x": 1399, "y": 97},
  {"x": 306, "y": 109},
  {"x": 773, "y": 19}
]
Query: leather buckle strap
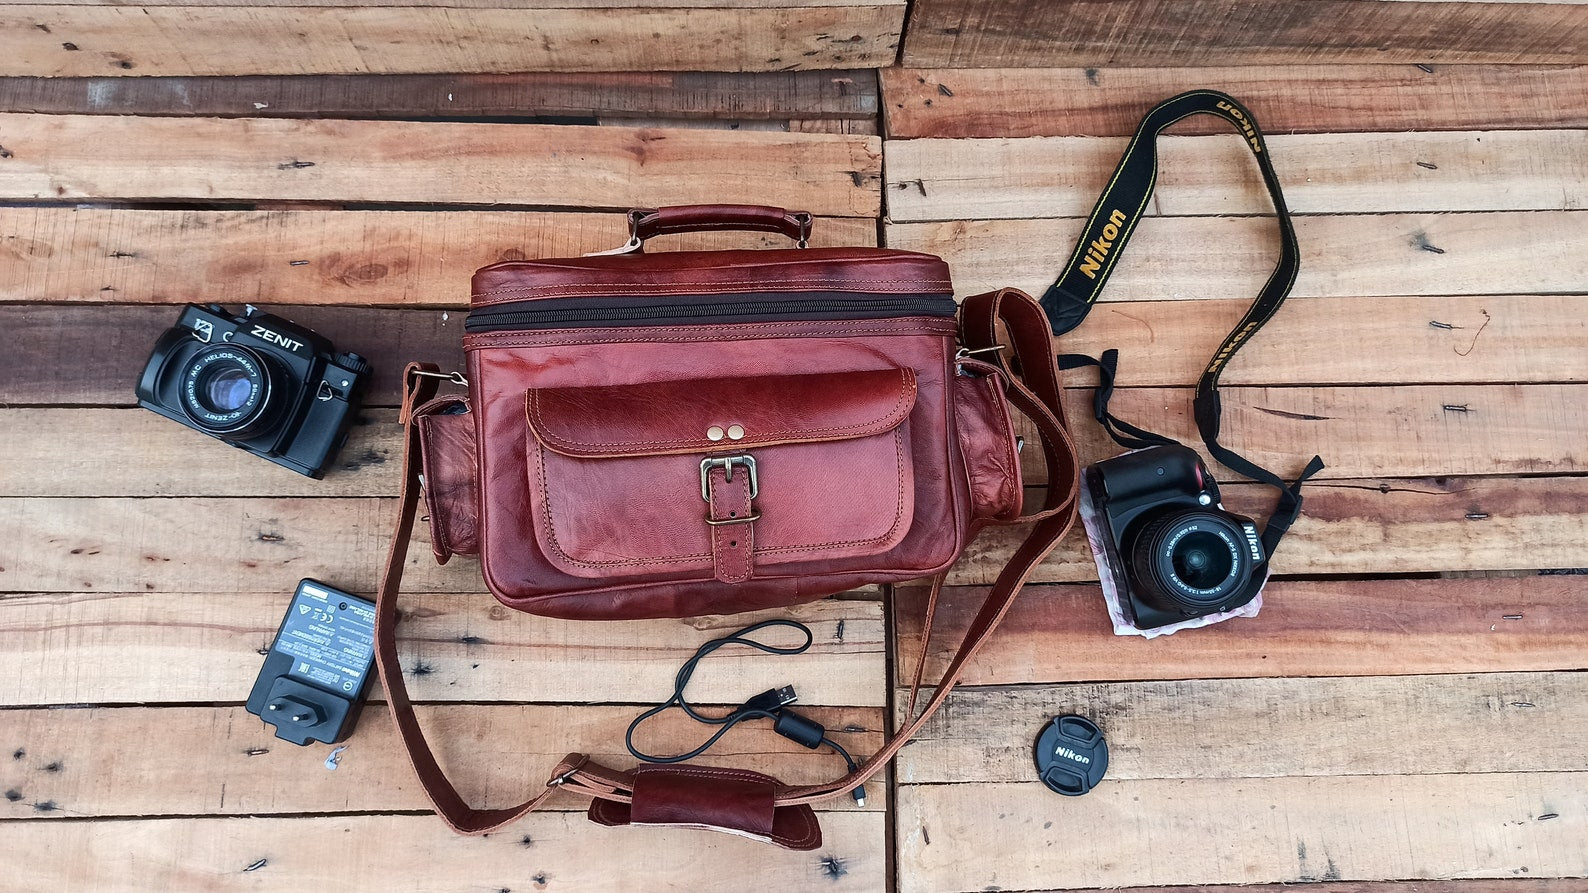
[{"x": 730, "y": 502}]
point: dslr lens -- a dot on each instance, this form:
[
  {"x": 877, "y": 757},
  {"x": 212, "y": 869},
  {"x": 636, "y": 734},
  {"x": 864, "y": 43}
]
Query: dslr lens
[
  {"x": 1190, "y": 562},
  {"x": 227, "y": 389}
]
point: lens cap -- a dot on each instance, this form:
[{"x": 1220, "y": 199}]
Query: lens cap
[{"x": 1071, "y": 755}]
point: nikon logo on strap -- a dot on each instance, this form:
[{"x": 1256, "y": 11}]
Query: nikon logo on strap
[
  {"x": 1246, "y": 126},
  {"x": 1097, "y": 252}
]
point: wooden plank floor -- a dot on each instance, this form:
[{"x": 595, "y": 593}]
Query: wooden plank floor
[{"x": 1405, "y": 716}]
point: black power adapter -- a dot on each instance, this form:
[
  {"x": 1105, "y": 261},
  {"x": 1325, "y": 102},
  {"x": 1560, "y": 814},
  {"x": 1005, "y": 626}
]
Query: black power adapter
[{"x": 316, "y": 673}]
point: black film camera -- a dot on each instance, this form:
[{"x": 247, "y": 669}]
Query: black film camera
[
  {"x": 1172, "y": 550},
  {"x": 258, "y": 382}
]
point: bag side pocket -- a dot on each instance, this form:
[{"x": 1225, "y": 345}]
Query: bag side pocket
[
  {"x": 987, "y": 440},
  {"x": 448, "y": 462}
]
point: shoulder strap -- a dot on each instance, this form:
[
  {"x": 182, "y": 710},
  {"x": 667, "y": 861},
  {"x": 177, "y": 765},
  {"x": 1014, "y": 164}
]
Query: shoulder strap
[
  {"x": 1109, "y": 227},
  {"x": 1035, "y": 393}
]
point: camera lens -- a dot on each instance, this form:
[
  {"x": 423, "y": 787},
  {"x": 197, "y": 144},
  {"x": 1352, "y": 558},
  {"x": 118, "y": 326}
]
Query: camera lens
[
  {"x": 227, "y": 389},
  {"x": 1191, "y": 562}
]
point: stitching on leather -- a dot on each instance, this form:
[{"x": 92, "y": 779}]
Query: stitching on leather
[
  {"x": 732, "y": 573},
  {"x": 614, "y": 334},
  {"x": 840, "y": 283},
  {"x": 905, "y": 398},
  {"x": 807, "y": 819},
  {"x": 551, "y": 529},
  {"x": 898, "y": 511}
]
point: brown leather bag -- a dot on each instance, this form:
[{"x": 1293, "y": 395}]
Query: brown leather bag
[{"x": 687, "y": 433}]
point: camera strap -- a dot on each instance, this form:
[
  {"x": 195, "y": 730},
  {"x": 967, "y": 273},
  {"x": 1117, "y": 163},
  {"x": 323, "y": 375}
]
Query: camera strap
[{"x": 1112, "y": 221}]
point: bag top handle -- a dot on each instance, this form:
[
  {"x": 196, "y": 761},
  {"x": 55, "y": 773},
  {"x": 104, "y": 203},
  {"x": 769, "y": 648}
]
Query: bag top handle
[{"x": 644, "y": 223}]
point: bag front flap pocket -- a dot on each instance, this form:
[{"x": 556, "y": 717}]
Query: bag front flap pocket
[
  {"x": 716, "y": 413},
  {"x": 729, "y": 477}
]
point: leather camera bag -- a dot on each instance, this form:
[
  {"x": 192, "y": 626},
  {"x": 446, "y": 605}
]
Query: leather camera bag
[{"x": 710, "y": 432}]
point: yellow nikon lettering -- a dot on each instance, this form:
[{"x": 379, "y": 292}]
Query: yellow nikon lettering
[
  {"x": 1224, "y": 353},
  {"x": 1246, "y": 126},
  {"x": 1097, "y": 252}
]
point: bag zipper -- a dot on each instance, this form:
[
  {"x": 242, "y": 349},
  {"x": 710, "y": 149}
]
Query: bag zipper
[{"x": 554, "y": 313}]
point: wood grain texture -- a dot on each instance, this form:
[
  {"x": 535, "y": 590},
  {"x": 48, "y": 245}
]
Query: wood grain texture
[
  {"x": 1322, "y": 173},
  {"x": 989, "y": 34},
  {"x": 230, "y": 763},
  {"x": 206, "y": 647},
  {"x": 63, "y": 157},
  {"x": 317, "y": 257},
  {"x": 1338, "y": 628},
  {"x": 43, "y": 360},
  {"x": 486, "y": 37},
  {"x": 1343, "y": 255},
  {"x": 1021, "y": 102},
  {"x": 1494, "y": 338},
  {"x": 1433, "y": 340},
  {"x": 756, "y": 96},
  {"x": 1292, "y": 830},
  {"x": 1406, "y": 431},
  {"x": 1369, "y": 526},
  {"x": 560, "y": 849},
  {"x": 1418, "y": 525},
  {"x": 1264, "y": 728},
  {"x": 1464, "y": 885}
]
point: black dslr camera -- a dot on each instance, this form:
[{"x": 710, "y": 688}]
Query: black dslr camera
[
  {"x": 258, "y": 382},
  {"x": 1172, "y": 550}
]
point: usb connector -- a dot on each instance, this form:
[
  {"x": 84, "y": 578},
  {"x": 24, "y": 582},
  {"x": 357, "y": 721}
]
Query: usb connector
[{"x": 771, "y": 699}]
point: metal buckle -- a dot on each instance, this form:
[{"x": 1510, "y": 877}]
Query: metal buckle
[
  {"x": 726, "y": 463},
  {"x": 565, "y": 777},
  {"x": 454, "y": 377}
]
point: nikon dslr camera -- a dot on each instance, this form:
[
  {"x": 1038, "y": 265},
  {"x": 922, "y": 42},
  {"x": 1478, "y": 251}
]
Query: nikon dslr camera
[
  {"x": 1169, "y": 548},
  {"x": 258, "y": 382}
]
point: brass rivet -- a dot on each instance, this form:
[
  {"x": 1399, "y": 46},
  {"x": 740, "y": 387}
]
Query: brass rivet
[
  {"x": 714, "y": 432},
  {"x": 735, "y": 432}
]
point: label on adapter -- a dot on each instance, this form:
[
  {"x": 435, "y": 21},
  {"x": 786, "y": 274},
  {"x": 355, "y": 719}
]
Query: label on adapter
[{"x": 331, "y": 638}]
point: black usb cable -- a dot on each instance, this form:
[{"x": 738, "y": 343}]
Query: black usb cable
[{"x": 771, "y": 704}]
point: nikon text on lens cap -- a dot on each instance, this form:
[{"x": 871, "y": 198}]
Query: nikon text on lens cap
[{"x": 1071, "y": 755}]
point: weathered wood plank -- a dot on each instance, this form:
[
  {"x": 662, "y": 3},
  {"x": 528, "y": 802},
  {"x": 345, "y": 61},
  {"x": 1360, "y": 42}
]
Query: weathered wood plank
[
  {"x": 397, "y": 258},
  {"x": 94, "y": 39},
  {"x": 43, "y": 360},
  {"x": 253, "y": 545},
  {"x": 1322, "y": 173},
  {"x": 196, "y": 646},
  {"x": 773, "y": 95},
  {"x": 1435, "y": 340},
  {"x": 375, "y": 854},
  {"x": 1266, "y": 830},
  {"x": 1405, "y": 431},
  {"x": 1261, "y": 728},
  {"x": 62, "y": 157},
  {"x": 1537, "y": 338},
  {"x": 230, "y": 763},
  {"x": 134, "y": 452},
  {"x": 1421, "y": 525},
  {"x": 987, "y": 34},
  {"x": 1464, "y": 885},
  {"x": 1343, "y": 628},
  {"x": 993, "y": 102},
  {"x": 1371, "y": 255}
]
